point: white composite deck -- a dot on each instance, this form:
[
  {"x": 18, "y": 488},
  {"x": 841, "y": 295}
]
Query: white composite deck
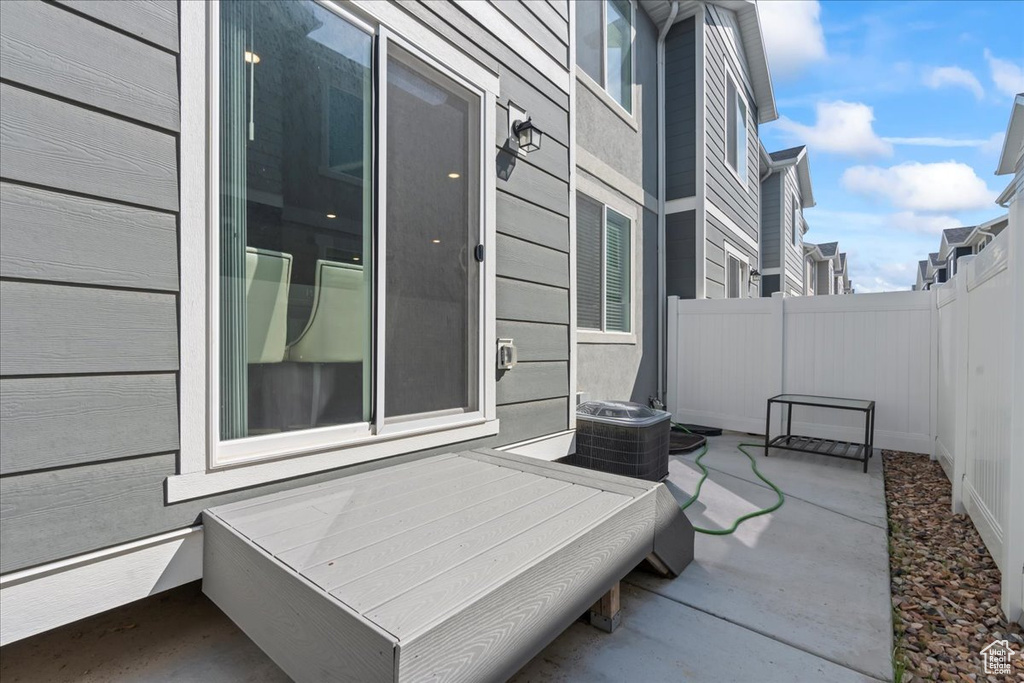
[{"x": 456, "y": 567}]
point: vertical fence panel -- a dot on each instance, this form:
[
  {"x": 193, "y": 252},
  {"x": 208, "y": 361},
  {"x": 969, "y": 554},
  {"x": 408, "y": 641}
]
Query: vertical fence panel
[{"x": 949, "y": 314}]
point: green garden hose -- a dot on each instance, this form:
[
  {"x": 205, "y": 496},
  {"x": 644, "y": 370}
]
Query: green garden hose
[{"x": 753, "y": 464}]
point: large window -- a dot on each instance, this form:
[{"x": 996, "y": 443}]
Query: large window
[
  {"x": 603, "y": 267},
  {"x": 349, "y": 297},
  {"x": 604, "y": 46},
  {"x": 735, "y": 130}
]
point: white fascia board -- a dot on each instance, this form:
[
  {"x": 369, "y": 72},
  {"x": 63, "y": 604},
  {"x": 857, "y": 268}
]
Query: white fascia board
[{"x": 1014, "y": 139}]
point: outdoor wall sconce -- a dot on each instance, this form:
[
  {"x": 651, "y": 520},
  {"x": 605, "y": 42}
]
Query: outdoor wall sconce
[
  {"x": 755, "y": 277},
  {"x": 529, "y": 136},
  {"x": 524, "y": 136}
]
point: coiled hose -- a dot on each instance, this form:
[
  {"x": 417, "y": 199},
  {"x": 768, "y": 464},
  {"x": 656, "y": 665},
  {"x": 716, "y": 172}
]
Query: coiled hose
[{"x": 753, "y": 464}]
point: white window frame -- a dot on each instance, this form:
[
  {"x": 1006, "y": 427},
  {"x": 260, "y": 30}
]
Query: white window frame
[
  {"x": 601, "y": 88},
  {"x": 732, "y": 252},
  {"x": 207, "y": 465},
  {"x": 796, "y": 221},
  {"x": 608, "y": 201},
  {"x": 740, "y": 95}
]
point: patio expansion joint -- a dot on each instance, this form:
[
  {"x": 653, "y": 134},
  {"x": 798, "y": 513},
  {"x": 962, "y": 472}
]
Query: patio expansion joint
[
  {"x": 759, "y": 632},
  {"x": 802, "y": 500}
]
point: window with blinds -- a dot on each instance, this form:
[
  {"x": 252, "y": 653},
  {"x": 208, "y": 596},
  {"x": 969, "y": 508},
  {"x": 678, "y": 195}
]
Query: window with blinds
[{"x": 603, "y": 267}]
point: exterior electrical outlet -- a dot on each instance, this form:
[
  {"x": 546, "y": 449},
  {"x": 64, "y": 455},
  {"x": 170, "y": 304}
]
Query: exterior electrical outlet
[{"x": 506, "y": 354}]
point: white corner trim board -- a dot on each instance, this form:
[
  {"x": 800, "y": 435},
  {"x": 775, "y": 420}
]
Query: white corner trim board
[
  {"x": 733, "y": 228},
  {"x": 51, "y": 595},
  {"x": 548, "y": 447}
]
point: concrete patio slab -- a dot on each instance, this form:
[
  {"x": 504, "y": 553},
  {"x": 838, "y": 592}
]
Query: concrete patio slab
[
  {"x": 661, "y": 640},
  {"x": 827, "y": 482}
]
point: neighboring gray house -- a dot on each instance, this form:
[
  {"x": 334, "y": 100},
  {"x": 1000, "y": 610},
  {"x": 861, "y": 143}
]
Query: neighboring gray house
[
  {"x": 717, "y": 92},
  {"x": 959, "y": 242},
  {"x": 785, "y": 193},
  {"x": 162, "y": 354},
  {"x": 935, "y": 271},
  {"x": 955, "y": 244},
  {"x": 843, "y": 283},
  {"x": 923, "y": 282},
  {"x": 821, "y": 263}
]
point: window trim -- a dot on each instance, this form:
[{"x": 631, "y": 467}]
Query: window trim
[
  {"x": 306, "y": 451},
  {"x": 796, "y": 221},
  {"x": 585, "y": 335},
  {"x": 600, "y": 88},
  {"x": 744, "y": 261},
  {"x": 740, "y": 94}
]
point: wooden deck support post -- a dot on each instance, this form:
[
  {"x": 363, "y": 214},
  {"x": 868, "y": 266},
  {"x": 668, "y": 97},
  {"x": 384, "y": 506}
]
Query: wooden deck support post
[{"x": 605, "y": 614}]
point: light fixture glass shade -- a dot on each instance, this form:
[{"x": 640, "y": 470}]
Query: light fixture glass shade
[
  {"x": 755, "y": 277},
  {"x": 528, "y": 135}
]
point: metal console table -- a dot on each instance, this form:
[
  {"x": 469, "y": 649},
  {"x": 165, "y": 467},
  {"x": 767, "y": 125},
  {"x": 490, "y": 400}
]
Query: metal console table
[{"x": 848, "y": 450}]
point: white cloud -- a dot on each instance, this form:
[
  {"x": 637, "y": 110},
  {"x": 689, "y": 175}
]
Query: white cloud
[
  {"x": 908, "y": 221},
  {"x": 943, "y": 186},
  {"x": 954, "y": 76},
  {"x": 792, "y": 34},
  {"x": 1007, "y": 76},
  {"x": 842, "y": 127},
  {"x": 995, "y": 141}
]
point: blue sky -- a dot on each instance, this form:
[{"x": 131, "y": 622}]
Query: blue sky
[{"x": 902, "y": 106}]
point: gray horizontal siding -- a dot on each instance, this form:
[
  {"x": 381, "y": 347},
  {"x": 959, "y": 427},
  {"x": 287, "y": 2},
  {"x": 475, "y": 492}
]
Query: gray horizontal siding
[
  {"x": 529, "y": 302},
  {"x": 63, "y": 238},
  {"x": 794, "y": 252},
  {"x": 45, "y": 47},
  {"x": 63, "y": 146},
  {"x": 455, "y": 24},
  {"x": 553, "y": 39},
  {"x": 527, "y": 261},
  {"x": 717, "y": 235},
  {"x": 536, "y": 341},
  {"x": 738, "y": 201},
  {"x": 519, "y": 218},
  {"x": 771, "y": 192},
  {"x": 155, "y": 21},
  {"x": 555, "y": 21},
  {"x": 60, "y": 421},
  {"x": 532, "y": 184},
  {"x": 680, "y": 111},
  {"x": 54, "y": 330},
  {"x": 534, "y": 381}
]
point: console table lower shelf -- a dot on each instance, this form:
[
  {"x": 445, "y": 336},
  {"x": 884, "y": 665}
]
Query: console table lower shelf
[{"x": 847, "y": 450}]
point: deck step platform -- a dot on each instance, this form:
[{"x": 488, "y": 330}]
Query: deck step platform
[{"x": 457, "y": 567}]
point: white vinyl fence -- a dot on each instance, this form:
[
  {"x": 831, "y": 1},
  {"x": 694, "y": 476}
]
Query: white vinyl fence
[
  {"x": 944, "y": 367},
  {"x": 980, "y": 399},
  {"x": 728, "y": 356}
]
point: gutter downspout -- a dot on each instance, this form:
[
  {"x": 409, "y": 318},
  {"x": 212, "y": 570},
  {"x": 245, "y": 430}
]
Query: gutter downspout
[
  {"x": 662, "y": 286},
  {"x": 986, "y": 233}
]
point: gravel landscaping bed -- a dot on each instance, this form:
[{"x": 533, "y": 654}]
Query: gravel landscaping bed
[{"x": 945, "y": 585}]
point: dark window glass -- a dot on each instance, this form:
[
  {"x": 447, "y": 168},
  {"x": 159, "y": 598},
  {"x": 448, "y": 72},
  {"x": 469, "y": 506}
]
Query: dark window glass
[
  {"x": 432, "y": 326},
  {"x": 295, "y": 209}
]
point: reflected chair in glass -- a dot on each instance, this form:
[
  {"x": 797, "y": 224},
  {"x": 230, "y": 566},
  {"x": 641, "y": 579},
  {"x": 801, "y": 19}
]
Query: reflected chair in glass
[
  {"x": 336, "y": 330},
  {"x": 268, "y": 275}
]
